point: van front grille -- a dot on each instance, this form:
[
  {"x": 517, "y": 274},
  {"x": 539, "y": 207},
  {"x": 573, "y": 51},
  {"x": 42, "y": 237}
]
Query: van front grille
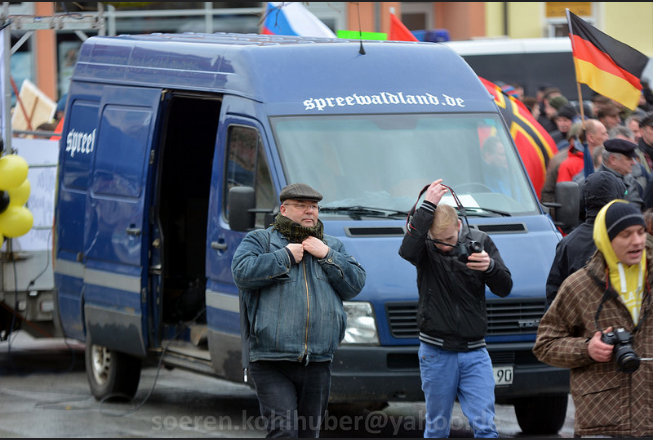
[{"x": 505, "y": 317}]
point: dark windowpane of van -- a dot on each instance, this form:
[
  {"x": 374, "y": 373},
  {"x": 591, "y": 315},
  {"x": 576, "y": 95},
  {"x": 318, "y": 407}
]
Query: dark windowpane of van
[
  {"x": 241, "y": 156},
  {"x": 240, "y": 160},
  {"x": 265, "y": 195},
  {"x": 247, "y": 166}
]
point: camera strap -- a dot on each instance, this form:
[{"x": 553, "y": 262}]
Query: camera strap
[
  {"x": 607, "y": 293},
  {"x": 461, "y": 208},
  {"x": 409, "y": 217}
]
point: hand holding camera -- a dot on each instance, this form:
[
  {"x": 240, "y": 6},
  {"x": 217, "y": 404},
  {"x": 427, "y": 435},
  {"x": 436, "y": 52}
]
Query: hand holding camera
[
  {"x": 621, "y": 340},
  {"x": 477, "y": 259},
  {"x": 599, "y": 350},
  {"x": 616, "y": 342}
]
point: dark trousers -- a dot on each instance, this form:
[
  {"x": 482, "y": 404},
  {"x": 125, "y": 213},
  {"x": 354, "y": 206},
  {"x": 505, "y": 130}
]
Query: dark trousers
[{"x": 292, "y": 397}]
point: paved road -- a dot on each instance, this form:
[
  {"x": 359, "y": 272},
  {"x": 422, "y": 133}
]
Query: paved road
[{"x": 44, "y": 393}]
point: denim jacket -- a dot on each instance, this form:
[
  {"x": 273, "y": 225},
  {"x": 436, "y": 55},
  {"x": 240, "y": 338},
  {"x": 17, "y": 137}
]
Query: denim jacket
[{"x": 293, "y": 311}]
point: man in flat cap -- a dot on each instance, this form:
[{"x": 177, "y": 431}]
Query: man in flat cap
[
  {"x": 293, "y": 279},
  {"x": 618, "y": 158}
]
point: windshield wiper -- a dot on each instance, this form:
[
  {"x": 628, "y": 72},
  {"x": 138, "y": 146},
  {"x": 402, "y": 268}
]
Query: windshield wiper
[
  {"x": 477, "y": 211},
  {"x": 359, "y": 211}
]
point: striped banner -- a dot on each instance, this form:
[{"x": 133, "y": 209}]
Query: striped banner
[{"x": 535, "y": 145}]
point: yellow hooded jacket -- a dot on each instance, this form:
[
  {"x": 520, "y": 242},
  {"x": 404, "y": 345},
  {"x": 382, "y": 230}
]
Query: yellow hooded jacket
[{"x": 627, "y": 281}]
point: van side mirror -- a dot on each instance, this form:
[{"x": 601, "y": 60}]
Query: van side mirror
[
  {"x": 568, "y": 198},
  {"x": 241, "y": 212}
]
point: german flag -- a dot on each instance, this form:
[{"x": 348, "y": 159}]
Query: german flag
[
  {"x": 534, "y": 143},
  {"x": 607, "y": 66}
]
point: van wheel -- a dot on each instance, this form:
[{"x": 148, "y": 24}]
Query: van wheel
[
  {"x": 542, "y": 415},
  {"x": 111, "y": 374}
]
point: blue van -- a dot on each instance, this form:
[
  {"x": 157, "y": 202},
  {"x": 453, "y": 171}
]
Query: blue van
[{"x": 174, "y": 146}]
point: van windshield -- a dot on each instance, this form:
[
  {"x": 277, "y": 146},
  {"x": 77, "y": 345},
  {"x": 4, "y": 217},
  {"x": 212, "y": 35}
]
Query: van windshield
[{"x": 383, "y": 161}]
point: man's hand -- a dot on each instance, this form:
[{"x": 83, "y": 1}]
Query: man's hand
[
  {"x": 479, "y": 261},
  {"x": 598, "y": 350},
  {"x": 297, "y": 250},
  {"x": 315, "y": 247},
  {"x": 435, "y": 192}
]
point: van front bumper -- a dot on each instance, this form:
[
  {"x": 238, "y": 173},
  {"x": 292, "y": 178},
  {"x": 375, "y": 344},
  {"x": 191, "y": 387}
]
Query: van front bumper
[{"x": 383, "y": 374}]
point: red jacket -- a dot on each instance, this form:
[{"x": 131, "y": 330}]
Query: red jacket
[{"x": 571, "y": 166}]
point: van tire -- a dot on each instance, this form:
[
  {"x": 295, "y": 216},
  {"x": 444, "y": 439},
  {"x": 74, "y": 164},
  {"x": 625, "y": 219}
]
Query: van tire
[
  {"x": 543, "y": 415},
  {"x": 111, "y": 374}
]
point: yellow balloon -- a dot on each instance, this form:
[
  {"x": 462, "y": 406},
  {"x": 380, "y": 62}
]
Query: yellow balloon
[
  {"x": 16, "y": 221},
  {"x": 2, "y": 240},
  {"x": 13, "y": 171},
  {"x": 18, "y": 196}
]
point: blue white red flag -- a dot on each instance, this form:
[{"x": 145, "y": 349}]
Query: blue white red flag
[{"x": 292, "y": 18}]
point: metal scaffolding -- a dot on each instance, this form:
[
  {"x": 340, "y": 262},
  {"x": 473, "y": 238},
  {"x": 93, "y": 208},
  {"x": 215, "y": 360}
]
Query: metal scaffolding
[{"x": 79, "y": 23}]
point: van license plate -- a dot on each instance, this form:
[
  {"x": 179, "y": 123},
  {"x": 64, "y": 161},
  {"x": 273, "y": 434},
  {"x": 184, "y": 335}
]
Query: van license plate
[{"x": 502, "y": 375}]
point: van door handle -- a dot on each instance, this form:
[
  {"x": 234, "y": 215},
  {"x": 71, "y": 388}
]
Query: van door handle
[
  {"x": 218, "y": 246},
  {"x": 133, "y": 231}
]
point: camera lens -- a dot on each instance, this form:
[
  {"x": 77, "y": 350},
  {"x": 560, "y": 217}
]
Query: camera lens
[{"x": 627, "y": 360}]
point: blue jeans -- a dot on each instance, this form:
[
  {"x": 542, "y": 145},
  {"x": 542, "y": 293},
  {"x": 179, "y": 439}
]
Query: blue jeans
[
  {"x": 468, "y": 375},
  {"x": 292, "y": 397}
]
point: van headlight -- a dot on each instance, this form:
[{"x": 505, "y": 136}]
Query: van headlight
[{"x": 361, "y": 324}]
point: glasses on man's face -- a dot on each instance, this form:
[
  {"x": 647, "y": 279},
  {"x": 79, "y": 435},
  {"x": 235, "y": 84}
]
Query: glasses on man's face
[
  {"x": 305, "y": 206},
  {"x": 442, "y": 243}
]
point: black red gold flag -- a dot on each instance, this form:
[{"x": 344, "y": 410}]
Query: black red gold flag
[
  {"x": 606, "y": 65},
  {"x": 534, "y": 143}
]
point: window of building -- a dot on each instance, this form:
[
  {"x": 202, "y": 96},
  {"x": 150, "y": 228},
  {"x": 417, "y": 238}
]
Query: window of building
[
  {"x": 556, "y": 16},
  {"x": 417, "y": 15}
]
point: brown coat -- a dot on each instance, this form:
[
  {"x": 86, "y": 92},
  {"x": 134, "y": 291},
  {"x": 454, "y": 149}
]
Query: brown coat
[{"x": 607, "y": 402}]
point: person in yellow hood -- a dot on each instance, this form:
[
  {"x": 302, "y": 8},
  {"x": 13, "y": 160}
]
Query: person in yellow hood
[{"x": 607, "y": 301}]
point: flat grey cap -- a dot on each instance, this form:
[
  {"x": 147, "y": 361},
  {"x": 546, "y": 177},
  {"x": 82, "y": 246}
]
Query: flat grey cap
[{"x": 299, "y": 191}]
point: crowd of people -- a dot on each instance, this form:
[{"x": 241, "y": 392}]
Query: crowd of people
[
  {"x": 581, "y": 134},
  {"x": 598, "y": 292}
]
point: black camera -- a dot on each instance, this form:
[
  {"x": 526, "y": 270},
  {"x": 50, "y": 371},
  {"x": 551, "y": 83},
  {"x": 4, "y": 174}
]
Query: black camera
[
  {"x": 465, "y": 249},
  {"x": 627, "y": 359}
]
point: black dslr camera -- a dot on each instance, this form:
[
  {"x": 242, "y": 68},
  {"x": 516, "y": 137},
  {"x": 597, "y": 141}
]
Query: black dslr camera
[
  {"x": 627, "y": 359},
  {"x": 465, "y": 249}
]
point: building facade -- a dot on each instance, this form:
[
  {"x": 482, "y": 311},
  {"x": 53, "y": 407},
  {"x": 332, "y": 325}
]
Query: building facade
[{"x": 47, "y": 58}]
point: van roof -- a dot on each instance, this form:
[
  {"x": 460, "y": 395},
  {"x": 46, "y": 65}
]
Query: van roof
[{"x": 276, "y": 69}]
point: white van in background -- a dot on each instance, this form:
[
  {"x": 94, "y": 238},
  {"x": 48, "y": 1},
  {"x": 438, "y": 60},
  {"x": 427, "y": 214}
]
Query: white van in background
[{"x": 531, "y": 62}]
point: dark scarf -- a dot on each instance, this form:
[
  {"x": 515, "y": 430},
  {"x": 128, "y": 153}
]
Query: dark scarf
[{"x": 294, "y": 232}]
